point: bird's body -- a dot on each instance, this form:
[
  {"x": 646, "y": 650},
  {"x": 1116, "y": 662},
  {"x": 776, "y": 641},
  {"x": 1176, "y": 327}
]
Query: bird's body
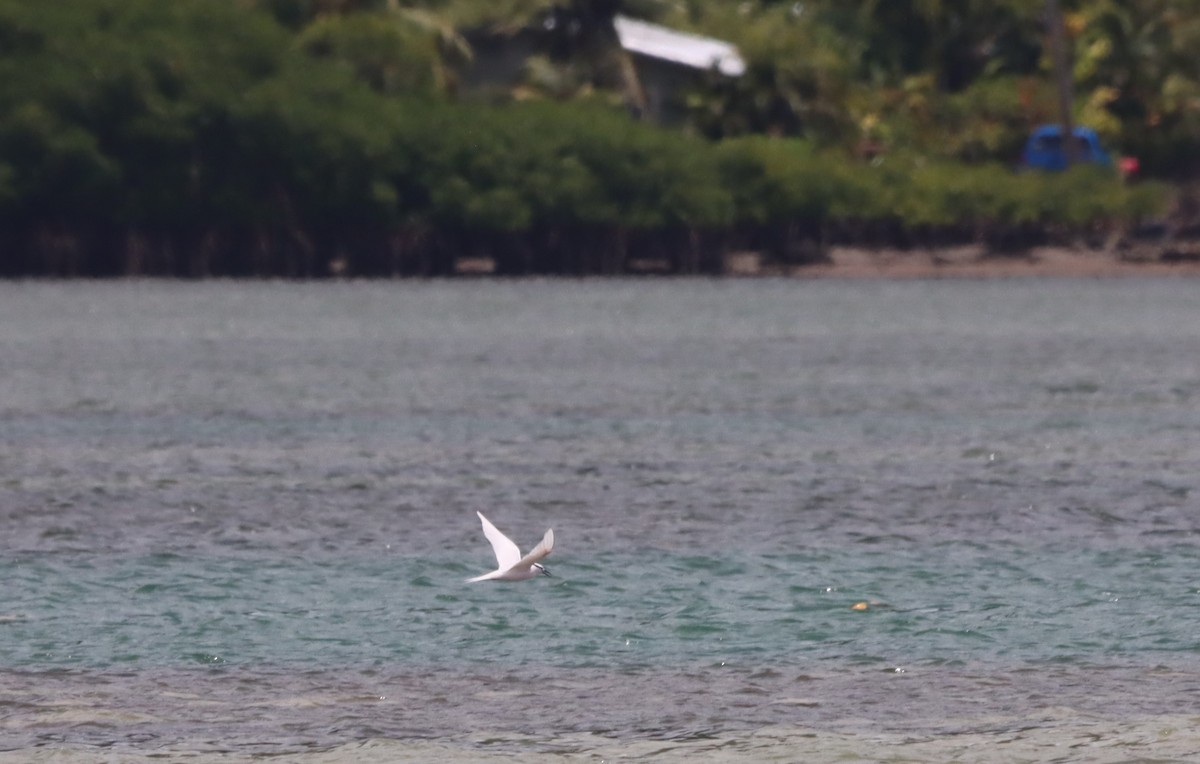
[{"x": 511, "y": 566}]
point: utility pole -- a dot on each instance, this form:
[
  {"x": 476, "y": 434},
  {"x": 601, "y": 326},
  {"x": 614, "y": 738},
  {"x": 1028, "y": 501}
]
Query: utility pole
[{"x": 1062, "y": 77}]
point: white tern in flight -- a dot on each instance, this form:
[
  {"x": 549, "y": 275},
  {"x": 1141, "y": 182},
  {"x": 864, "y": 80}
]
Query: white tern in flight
[{"x": 511, "y": 565}]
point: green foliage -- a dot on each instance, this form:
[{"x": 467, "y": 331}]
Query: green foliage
[
  {"x": 54, "y": 169},
  {"x": 1137, "y": 66},
  {"x": 132, "y": 90},
  {"x": 1086, "y": 195},
  {"x": 544, "y": 164},
  {"x": 474, "y": 13},
  {"x": 774, "y": 180},
  {"x": 317, "y": 144},
  {"x": 959, "y": 79},
  {"x": 796, "y": 83},
  {"x": 389, "y": 53},
  {"x": 212, "y": 118}
]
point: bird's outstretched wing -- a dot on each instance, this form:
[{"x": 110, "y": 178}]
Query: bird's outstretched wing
[
  {"x": 507, "y": 553},
  {"x": 544, "y": 547}
]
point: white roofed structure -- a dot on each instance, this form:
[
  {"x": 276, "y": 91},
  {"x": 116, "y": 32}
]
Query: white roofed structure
[
  {"x": 691, "y": 50},
  {"x": 659, "y": 66}
]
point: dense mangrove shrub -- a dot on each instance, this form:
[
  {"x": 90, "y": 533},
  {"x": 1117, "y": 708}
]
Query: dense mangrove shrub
[{"x": 797, "y": 199}]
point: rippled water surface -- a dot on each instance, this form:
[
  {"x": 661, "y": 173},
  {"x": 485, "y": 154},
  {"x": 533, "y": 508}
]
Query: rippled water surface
[{"x": 926, "y": 521}]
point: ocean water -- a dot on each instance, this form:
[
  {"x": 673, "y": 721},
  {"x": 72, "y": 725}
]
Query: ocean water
[{"x": 835, "y": 520}]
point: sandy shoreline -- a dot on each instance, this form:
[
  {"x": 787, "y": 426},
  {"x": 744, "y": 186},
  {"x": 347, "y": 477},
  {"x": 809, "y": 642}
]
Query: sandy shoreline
[
  {"x": 972, "y": 261},
  {"x": 977, "y": 262}
]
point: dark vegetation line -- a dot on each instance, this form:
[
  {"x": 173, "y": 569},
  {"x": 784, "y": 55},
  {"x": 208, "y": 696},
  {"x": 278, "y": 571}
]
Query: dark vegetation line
[{"x": 199, "y": 138}]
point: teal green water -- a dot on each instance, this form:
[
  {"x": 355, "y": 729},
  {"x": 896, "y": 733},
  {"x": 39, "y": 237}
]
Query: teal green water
[
  {"x": 236, "y": 519},
  {"x": 946, "y": 604}
]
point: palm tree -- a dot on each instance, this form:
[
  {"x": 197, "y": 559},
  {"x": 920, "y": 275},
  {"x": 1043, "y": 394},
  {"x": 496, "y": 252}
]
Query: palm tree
[{"x": 1138, "y": 61}]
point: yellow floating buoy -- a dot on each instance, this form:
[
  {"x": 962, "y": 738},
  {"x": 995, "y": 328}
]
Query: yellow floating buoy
[{"x": 869, "y": 605}]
